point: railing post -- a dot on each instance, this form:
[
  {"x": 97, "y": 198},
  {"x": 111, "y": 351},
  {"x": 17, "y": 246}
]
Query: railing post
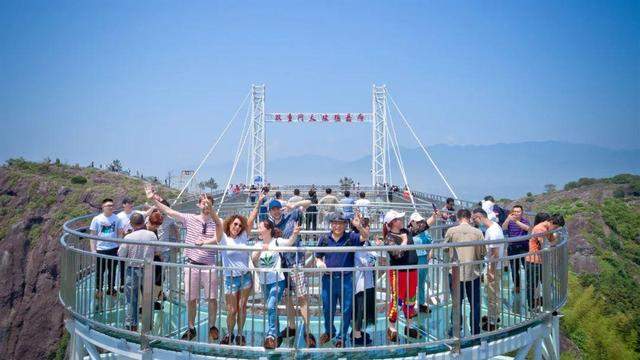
[
  {"x": 456, "y": 308},
  {"x": 147, "y": 304},
  {"x": 546, "y": 280}
]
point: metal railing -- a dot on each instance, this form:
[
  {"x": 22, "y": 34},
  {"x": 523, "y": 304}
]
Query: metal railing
[{"x": 143, "y": 301}]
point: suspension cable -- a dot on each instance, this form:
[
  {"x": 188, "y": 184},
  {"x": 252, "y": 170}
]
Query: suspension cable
[
  {"x": 243, "y": 138},
  {"x": 396, "y": 150},
  {"x": 422, "y": 146},
  {"x": 211, "y": 150}
]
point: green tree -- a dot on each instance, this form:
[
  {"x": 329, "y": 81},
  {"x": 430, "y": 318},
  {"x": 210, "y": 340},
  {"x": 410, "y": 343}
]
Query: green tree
[
  {"x": 346, "y": 183},
  {"x": 115, "y": 166},
  {"x": 211, "y": 184}
]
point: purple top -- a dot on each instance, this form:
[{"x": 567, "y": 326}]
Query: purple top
[{"x": 514, "y": 230}]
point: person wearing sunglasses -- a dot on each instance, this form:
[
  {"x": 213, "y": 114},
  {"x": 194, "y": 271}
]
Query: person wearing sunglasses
[
  {"x": 234, "y": 231},
  {"x": 200, "y": 273}
]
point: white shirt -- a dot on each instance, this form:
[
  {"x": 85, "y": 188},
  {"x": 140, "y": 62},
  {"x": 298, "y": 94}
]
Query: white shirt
[
  {"x": 363, "y": 206},
  {"x": 106, "y": 227},
  {"x": 487, "y": 206},
  {"x": 271, "y": 261},
  {"x": 295, "y": 199},
  {"x": 237, "y": 260},
  {"x": 364, "y": 279},
  {"x": 125, "y": 219},
  {"x": 494, "y": 232}
]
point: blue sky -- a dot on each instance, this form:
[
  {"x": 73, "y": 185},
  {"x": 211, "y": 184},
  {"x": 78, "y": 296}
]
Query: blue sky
[{"x": 153, "y": 83}]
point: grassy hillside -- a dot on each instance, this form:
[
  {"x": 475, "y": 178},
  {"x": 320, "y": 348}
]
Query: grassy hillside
[
  {"x": 35, "y": 200},
  {"x": 602, "y": 317}
]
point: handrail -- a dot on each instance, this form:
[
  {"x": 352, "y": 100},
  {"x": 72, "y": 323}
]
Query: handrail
[{"x": 78, "y": 274}]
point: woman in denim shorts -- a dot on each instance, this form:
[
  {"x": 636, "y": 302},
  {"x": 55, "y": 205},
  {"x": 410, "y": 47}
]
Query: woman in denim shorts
[{"x": 237, "y": 277}]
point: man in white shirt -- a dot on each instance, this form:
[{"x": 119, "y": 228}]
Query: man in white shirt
[
  {"x": 327, "y": 205},
  {"x": 493, "y": 276},
  {"x": 106, "y": 225},
  {"x": 363, "y": 205},
  {"x": 125, "y": 214},
  {"x": 296, "y": 197}
]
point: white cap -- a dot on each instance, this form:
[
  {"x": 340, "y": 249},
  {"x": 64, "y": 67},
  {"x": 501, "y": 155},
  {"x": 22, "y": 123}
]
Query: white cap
[
  {"x": 392, "y": 215},
  {"x": 416, "y": 217}
]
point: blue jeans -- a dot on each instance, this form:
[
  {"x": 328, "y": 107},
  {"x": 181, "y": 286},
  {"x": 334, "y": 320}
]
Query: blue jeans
[
  {"x": 470, "y": 289},
  {"x": 131, "y": 289},
  {"x": 422, "y": 280},
  {"x": 336, "y": 288},
  {"x": 273, "y": 293}
]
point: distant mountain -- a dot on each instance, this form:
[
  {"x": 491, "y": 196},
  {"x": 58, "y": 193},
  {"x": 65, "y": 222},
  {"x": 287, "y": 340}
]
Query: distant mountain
[{"x": 503, "y": 170}]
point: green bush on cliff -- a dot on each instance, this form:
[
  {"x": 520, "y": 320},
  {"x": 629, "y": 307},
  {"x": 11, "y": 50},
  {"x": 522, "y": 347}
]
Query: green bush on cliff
[{"x": 598, "y": 334}]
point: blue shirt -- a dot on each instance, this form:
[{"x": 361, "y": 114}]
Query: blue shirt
[
  {"x": 348, "y": 210},
  {"x": 422, "y": 239},
  {"x": 339, "y": 259},
  {"x": 286, "y": 225}
]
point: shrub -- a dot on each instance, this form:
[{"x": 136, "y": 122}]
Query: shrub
[
  {"x": 78, "y": 180},
  {"x": 621, "y": 218},
  {"x": 618, "y": 193},
  {"x": 591, "y": 326},
  {"x": 624, "y": 179},
  {"x": 571, "y": 185}
]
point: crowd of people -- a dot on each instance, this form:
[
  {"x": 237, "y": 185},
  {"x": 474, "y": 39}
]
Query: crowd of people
[{"x": 258, "y": 263}]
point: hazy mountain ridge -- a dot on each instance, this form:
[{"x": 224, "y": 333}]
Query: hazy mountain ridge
[{"x": 504, "y": 170}]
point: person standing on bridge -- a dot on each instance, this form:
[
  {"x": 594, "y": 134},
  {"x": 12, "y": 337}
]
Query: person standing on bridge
[
  {"x": 234, "y": 231},
  {"x": 201, "y": 230},
  {"x": 469, "y": 281},
  {"x": 362, "y": 204},
  {"x": 514, "y": 226},
  {"x": 295, "y": 279},
  {"x": 296, "y": 196},
  {"x": 422, "y": 237},
  {"x": 107, "y": 225},
  {"x": 135, "y": 269},
  {"x": 403, "y": 283},
  {"x": 543, "y": 223},
  {"x": 271, "y": 278},
  {"x": 347, "y": 203},
  {"x": 493, "y": 276},
  {"x": 337, "y": 286},
  {"x": 312, "y": 211},
  {"x": 327, "y": 206}
]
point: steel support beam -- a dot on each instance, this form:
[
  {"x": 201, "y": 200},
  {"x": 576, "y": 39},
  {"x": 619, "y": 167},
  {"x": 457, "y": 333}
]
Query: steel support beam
[
  {"x": 379, "y": 137},
  {"x": 258, "y": 135}
]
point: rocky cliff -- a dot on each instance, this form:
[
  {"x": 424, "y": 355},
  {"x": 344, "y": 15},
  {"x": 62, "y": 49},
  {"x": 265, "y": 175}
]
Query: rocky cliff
[
  {"x": 35, "y": 200},
  {"x": 602, "y": 318}
]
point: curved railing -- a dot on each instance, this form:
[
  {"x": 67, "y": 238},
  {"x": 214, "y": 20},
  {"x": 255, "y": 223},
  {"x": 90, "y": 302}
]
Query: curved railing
[{"x": 449, "y": 325}]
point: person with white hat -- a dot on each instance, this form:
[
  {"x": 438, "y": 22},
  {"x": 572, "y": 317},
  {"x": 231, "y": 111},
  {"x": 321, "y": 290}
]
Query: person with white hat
[
  {"x": 403, "y": 282},
  {"x": 422, "y": 237}
]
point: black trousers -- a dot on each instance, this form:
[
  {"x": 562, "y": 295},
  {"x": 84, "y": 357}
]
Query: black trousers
[
  {"x": 312, "y": 220},
  {"x": 515, "y": 264},
  {"x": 109, "y": 266}
]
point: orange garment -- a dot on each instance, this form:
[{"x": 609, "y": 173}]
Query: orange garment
[{"x": 535, "y": 244}]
